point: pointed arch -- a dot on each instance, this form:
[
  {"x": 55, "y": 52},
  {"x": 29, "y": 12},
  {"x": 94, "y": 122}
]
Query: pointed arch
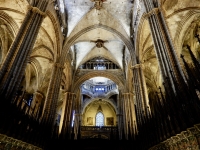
[
  {"x": 124, "y": 39},
  {"x": 114, "y": 77},
  {"x": 10, "y": 22}
]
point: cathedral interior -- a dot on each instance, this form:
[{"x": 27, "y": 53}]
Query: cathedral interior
[{"x": 99, "y": 74}]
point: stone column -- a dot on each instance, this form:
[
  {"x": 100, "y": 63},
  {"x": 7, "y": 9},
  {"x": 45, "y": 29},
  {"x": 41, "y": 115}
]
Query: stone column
[
  {"x": 77, "y": 119},
  {"x": 183, "y": 96},
  {"x": 77, "y": 122},
  {"x": 49, "y": 110},
  {"x": 138, "y": 93},
  {"x": 67, "y": 113},
  {"x": 37, "y": 101},
  {"x": 129, "y": 114},
  {"x": 125, "y": 111},
  {"x": 13, "y": 66},
  {"x": 119, "y": 123},
  {"x": 144, "y": 90},
  {"x": 164, "y": 47},
  {"x": 63, "y": 110},
  {"x": 119, "y": 115}
]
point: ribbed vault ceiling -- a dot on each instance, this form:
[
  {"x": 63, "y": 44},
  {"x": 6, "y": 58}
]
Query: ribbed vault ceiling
[{"x": 82, "y": 14}]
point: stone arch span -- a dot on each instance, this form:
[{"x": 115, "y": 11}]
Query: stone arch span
[
  {"x": 114, "y": 77},
  {"x": 73, "y": 39}
]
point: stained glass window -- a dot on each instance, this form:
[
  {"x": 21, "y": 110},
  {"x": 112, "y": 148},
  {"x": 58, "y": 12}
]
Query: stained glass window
[{"x": 99, "y": 119}]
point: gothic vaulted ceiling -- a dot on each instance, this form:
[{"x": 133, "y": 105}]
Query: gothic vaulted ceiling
[{"x": 97, "y": 40}]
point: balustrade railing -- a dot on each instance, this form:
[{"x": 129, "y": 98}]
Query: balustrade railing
[
  {"x": 99, "y": 128},
  {"x": 101, "y": 89},
  {"x": 100, "y": 94}
]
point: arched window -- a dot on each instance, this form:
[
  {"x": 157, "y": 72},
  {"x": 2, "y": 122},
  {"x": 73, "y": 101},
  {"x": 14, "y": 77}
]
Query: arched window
[{"x": 99, "y": 119}]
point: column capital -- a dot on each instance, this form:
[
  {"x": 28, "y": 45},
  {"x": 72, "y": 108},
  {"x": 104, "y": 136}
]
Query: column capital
[
  {"x": 138, "y": 66},
  {"x": 153, "y": 11},
  {"x": 36, "y": 10}
]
